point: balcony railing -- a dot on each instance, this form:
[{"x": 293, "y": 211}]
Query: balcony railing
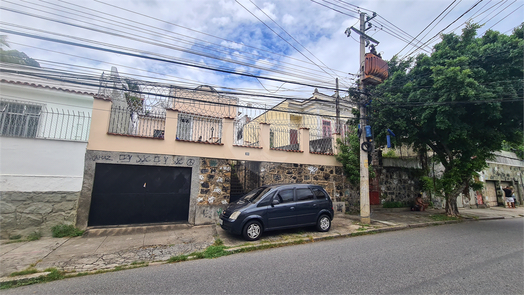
[
  {"x": 126, "y": 121},
  {"x": 199, "y": 128}
]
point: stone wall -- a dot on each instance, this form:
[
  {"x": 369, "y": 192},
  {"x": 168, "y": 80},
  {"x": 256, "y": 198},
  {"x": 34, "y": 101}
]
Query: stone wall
[
  {"x": 215, "y": 182},
  {"x": 398, "y": 184},
  {"x": 331, "y": 178},
  {"x": 23, "y": 213}
]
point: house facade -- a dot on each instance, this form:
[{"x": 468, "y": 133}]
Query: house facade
[
  {"x": 189, "y": 166},
  {"x": 317, "y": 114},
  {"x": 44, "y": 128}
]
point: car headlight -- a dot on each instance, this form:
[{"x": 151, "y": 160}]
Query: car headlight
[{"x": 235, "y": 215}]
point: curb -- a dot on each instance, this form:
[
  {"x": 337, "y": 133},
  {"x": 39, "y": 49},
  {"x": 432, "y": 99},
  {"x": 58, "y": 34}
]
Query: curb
[
  {"x": 24, "y": 277},
  {"x": 491, "y": 218}
]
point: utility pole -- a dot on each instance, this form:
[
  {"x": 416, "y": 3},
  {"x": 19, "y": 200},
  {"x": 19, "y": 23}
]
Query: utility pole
[
  {"x": 365, "y": 212},
  {"x": 337, "y": 106}
]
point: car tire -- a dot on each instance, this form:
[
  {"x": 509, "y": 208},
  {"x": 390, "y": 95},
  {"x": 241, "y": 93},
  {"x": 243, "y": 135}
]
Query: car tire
[
  {"x": 252, "y": 230},
  {"x": 323, "y": 223}
]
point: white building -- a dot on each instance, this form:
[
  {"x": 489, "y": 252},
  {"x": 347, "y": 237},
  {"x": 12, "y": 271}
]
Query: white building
[{"x": 44, "y": 128}]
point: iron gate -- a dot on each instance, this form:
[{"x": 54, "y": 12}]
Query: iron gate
[
  {"x": 245, "y": 176},
  {"x": 132, "y": 194}
]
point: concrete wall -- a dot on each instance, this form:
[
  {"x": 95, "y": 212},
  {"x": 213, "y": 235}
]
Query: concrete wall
[{"x": 29, "y": 164}]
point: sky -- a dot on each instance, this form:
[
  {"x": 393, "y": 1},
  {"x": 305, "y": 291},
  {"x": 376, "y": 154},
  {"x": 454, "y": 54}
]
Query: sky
[{"x": 292, "y": 46}]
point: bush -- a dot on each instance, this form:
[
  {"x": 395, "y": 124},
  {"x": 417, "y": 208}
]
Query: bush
[
  {"x": 389, "y": 154},
  {"x": 66, "y": 230}
]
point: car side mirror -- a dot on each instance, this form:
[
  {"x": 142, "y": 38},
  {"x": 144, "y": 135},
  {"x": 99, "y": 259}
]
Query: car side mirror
[{"x": 274, "y": 202}]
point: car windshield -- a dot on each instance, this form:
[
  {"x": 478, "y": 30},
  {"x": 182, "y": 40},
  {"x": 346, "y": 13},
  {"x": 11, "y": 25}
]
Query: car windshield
[{"x": 255, "y": 195}]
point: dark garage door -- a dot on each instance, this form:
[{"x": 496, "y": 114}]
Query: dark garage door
[{"x": 131, "y": 194}]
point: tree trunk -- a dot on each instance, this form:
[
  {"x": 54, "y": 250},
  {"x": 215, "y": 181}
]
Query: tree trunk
[{"x": 451, "y": 206}]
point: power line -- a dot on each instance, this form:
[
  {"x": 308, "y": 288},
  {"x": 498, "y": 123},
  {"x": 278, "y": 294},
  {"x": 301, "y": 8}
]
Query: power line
[
  {"x": 293, "y": 39},
  {"x": 426, "y": 27},
  {"x": 158, "y": 44},
  {"x": 447, "y": 26}
]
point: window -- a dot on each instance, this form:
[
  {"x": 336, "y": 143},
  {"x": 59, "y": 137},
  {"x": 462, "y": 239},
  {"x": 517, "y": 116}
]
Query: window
[
  {"x": 240, "y": 133},
  {"x": 267, "y": 200},
  {"x": 286, "y": 196},
  {"x": 185, "y": 123},
  {"x": 19, "y": 119},
  {"x": 293, "y": 136},
  {"x": 326, "y": 128},
  {"x": 304, "y": 194},
  {"x": 319, "y": 194}
]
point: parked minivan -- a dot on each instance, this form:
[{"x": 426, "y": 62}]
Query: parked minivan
[{"x": 279, "y": 206}]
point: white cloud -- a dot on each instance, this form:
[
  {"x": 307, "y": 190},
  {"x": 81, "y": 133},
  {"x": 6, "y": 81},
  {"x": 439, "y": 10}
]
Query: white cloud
[
  {"x": 288, "y": 19},
  {"x": 221, "y": 21}
]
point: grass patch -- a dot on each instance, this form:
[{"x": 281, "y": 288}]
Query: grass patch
[
  {"x": 66, "y": 230},
  {"x": 23, "y": 272},
  {"x": 15, "y": 237},
  {"x": 139, "y": 263},
  {"x": 53, "y": 276},
  {"x": 177, "y": 258},
  {"x": 34, "y": 236},
  {"x": 442, "y": 217}
]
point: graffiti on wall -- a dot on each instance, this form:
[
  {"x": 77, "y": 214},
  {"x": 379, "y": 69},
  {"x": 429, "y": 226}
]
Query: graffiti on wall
[{"x": 144, "y": 159}]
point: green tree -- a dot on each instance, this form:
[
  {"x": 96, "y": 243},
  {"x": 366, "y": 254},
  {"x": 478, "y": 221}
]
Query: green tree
[
  {"x": 349, "y": 156},
  {"x": 462, "y": 103},
  {"x": 14, "y": 56}
]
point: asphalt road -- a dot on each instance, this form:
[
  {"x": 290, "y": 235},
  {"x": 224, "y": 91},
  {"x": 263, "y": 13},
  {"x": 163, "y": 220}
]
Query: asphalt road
[{"x": 485, "y": 257}]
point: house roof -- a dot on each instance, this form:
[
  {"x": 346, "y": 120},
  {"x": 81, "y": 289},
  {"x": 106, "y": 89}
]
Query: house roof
[{"x": 46, "y": 79}]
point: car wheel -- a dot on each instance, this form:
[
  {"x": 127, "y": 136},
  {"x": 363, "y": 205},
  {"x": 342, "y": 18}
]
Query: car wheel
[
  {"x": 323, "y": 223},
  {"x": 252, "y": 230}
]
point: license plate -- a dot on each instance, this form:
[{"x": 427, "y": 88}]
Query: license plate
[{"x": 221, "y": 221}]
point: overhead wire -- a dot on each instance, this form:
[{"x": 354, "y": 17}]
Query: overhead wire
[
  {"x": 152, "y": 42},
  {"x": 185, "y": 36},
  {"x": 293, "y": 40},
  {"x": 478, "y": 2},
  {"x": 426, "y": 27},
  {"x": 161, "y": 59}
]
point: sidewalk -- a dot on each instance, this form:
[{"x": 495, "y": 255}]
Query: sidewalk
[{"x": 109, "y": 248}]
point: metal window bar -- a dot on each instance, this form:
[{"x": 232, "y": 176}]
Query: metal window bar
[
  {"x": 320, "y": 142},
  {"x": 65, "y": 125},
  {"x": 246, "y": 134},
  {"x": 25, "y": 119},
  {"x": 284, "y": 138},
  {"x": 199, "y": 128},
  {"x": 128, "y": 121}
]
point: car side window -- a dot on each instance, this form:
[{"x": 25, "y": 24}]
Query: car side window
[
  {"x": 319, "y": 194},
  {"x": 266, "y": 201},
  {"x": 286, "y": 196},
  {"x": 304, "y": 194}
]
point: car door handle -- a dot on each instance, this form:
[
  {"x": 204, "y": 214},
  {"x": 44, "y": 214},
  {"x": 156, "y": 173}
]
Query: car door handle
[
  {"x": 292, "y": 208},
  {"x": 314, "y": 205}
]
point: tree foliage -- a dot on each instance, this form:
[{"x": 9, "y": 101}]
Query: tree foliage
[
  {"x": 462, "y": 103},
  {"x": 349, "y": 156}
]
